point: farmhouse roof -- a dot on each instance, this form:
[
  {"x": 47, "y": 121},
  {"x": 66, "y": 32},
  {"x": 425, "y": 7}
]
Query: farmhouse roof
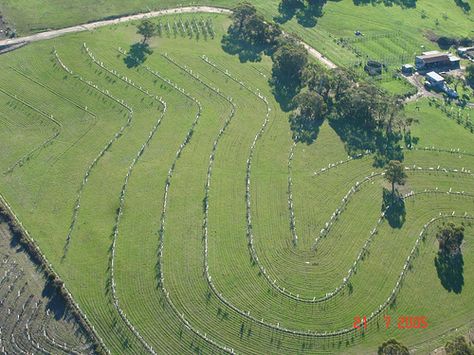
[
  {"x": 435, "y": 77},
  {"x": 453, "y": 58},
  {"x": 430, "y": 52},
  {"x": 433, "y": 58}
]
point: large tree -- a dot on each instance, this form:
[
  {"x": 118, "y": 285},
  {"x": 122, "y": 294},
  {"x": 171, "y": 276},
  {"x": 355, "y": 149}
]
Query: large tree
[
  {"x": 450, "y": 238},
  {"x": 289, "y": 60},
  {"x": 240, "y": 15},
  {"x": 310, "y": 105},
  {"x": 392, "y": 347},
  {"x": 310, "y": 110},
  {"x": 319, "y": 80},
  {"x": 395, "y": 174},
  {"x": 458, "y": 346},
  {"x": 360, "y": 105},
  {"x": 449, "y": 261},
  {"x": 470, "y": 74},
  {"x": 147, "y": 29}
]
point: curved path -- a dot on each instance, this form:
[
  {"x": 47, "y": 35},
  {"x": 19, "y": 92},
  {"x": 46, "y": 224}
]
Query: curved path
[{"x": 179, "y": 10}]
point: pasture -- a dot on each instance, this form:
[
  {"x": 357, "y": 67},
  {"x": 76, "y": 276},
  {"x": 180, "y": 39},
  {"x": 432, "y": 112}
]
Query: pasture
[
  {"x": 172, "y": 201},
  {"x": 391, "y": 34}
]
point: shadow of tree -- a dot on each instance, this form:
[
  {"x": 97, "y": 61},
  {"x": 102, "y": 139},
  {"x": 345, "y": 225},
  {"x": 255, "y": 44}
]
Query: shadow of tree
[
  {"x": 306, "y": 13},
  {"x": 137, "y": 54},
  {"x": 358, "y": 139},
  {"x": 304, "y": 131},
  {"x": 55, "y": 302},
  {"x": 396, "y": 212},
  {"x": 245, "y": 52},
  {"x": 402, "y": 3},
  {"x": 284, "y": 95},
  {"x": 450, "y": 270},
  {"x": 463, "y": 5}
]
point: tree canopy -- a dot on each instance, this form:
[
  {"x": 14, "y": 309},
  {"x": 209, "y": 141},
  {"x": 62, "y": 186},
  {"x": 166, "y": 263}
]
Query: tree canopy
[
  {"x": 449, "y": 261},
  {"x": 392, "y": 347},
  {"x": 289, "y": 61},
  {"x": 308, "y": 115},
  {"x": 395, "y": 174},
  {"x": 458, "y": 346},
  {"x": 250, "y": 35},
  {"x": 470, "y": 74},
  {"x": 147, "y": 29},
  {"x": 450, "y": 238}
]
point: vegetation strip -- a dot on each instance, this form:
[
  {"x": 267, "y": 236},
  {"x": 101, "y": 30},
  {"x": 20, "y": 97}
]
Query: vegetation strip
[
  {"x": 109, "y": 144},
  {"x": 209, "y": 169},
  {"x": 123, "y": 195},
  {"x": 72, "y": 102},
  {"x": 361, "y": 255},
  {"x": 165, "y": 202}
]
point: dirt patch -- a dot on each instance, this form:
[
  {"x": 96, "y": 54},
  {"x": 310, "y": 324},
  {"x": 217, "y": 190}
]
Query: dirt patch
[{"x": 33, "y": 316}]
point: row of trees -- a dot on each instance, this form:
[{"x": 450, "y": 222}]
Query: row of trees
[
  {"x": 470, "y": 74},
  {"x": 365, "y": 116},
  {"x": 458, "y": 346}
]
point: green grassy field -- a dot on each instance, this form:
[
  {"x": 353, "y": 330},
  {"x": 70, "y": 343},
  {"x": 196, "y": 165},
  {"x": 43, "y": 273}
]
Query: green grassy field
[
  {"x": 391, "y": 35},
  {"x": 175, "y": 198}
]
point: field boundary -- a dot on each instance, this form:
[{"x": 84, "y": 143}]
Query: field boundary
[
  {"x": 36, "y": 255},
  {"x": 172, "y": 11}
]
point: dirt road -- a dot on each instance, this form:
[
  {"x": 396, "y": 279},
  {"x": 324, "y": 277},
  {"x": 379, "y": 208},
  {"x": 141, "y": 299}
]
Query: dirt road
[{"x": 180, "y": 10}]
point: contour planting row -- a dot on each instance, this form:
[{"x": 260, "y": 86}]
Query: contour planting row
[
  {"x": 365, "y": 248},
  {"x": 123, "y": 194},
  {"x": 290, "y": 193},
  {"x": 53, "y": 342},
  {"x": 361, "y": 254},
  {"x": 65, "y": 98},
  {"x": 206, "y": 203},
  {"x": 107, "y": 147},
  {"x": 49, "y": 140},
  {"x": 444, "y": 150},
  {"x": 341, "y": 162},
  {"x": 16, "y": 323},
  {"x": 58, "y": 94},
  {"x": 187, "y": 139},
  {"x": 252, "y": 149}
]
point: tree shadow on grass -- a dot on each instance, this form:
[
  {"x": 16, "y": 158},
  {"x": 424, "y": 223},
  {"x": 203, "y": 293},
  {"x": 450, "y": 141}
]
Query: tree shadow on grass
[
  {"x": 306, "y": 14},
  {"x": 137, "y": 54},
  {"x": 450, "y": 270},
  {"x": 464, "y": 5},
  {"x": 358, "y": 139},
  {"x": 304, "y": 131},
  {"x": 394, "y": 207},
  {"x": 284, "y": 95},
  {"x": 388, "y": 3},
  {"x": 245, "y": 52}
]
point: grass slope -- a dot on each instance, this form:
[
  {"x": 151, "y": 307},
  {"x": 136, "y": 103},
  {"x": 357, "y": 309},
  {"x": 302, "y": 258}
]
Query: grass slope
[{"x": 173, "y": 303}]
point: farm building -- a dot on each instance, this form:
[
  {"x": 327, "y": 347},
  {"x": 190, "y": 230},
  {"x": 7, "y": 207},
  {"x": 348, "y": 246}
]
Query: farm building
[
  {"x": 435, "y": 80},
  {"x": 407, "y": 69},
  {"x": 435, "y": 60},
  {"x": 466, "y": 52}
]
